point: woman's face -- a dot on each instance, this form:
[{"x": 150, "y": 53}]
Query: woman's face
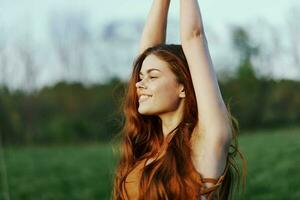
[{"x": 157, "y": 88}]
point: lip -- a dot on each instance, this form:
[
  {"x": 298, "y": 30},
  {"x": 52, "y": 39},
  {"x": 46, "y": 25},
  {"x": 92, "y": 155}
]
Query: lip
[
  {"x": 144, "y": 99},
  {"x": 143, "y": 93}
]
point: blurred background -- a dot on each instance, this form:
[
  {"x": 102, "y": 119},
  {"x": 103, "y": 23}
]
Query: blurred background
[{"x": 64, "y": 66}]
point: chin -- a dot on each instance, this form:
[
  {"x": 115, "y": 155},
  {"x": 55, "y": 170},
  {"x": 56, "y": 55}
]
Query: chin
[{"x": 145, "y": 112}]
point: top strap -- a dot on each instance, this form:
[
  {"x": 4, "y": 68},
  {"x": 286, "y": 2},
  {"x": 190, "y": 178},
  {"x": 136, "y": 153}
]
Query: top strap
[{"x": 217, "y": 182}]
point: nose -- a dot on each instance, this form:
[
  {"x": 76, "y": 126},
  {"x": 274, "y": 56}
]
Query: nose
[{"x": 140, "y": 84}]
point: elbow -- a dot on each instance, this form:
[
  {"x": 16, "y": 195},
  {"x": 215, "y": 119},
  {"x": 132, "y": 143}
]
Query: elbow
[
  {"x": 192, "y": 34},
  {"x": 196, "y": 33}
]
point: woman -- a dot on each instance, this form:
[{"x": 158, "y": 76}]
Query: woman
[{"x": 178, "y": 131}]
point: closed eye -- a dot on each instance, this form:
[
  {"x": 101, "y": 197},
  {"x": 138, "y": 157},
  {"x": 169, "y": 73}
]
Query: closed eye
[{"x": 150, "y": 77}]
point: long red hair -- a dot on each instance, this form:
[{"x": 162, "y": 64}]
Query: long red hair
[{"x": 173, "y": 175}]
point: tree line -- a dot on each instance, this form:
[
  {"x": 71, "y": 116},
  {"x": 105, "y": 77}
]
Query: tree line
[{"x": 71, "y": 113}]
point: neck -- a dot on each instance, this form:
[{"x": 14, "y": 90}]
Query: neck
[{"x": 171, "y": 119}]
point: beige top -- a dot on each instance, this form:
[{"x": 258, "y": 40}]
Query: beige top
[
  {"x": 132, "y": 182},
  {"x": 133, "y": 178}
]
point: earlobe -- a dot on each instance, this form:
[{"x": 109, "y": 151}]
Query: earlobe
[{"x": 182, "y": 94}]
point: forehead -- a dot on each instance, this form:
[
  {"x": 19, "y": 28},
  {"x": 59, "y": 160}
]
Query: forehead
[{"x": 153, "y": 62}]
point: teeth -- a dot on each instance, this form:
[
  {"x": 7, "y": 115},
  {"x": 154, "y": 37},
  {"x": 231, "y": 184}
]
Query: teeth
[{"x": 143, "y": 97}]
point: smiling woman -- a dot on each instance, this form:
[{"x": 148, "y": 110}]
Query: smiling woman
[
  {"x": 159, "y": 86},
  {"x": 178, "y": 131}
]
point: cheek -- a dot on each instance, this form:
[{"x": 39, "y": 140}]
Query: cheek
[
  {"x": 164, "y": 99},
  {"x": 166, "y": 93}
]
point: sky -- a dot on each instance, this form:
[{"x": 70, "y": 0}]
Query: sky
[
  {"x": 32, "y": 14},
  {"x": 21, "y": 17}
]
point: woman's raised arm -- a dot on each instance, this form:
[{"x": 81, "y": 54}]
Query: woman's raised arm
[
  {"x": 156, "y": 24},
  {"x": 213, "y": 128}
]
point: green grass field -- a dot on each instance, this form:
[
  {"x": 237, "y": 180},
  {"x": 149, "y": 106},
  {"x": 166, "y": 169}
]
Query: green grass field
[{"x": 85, "y": 172}]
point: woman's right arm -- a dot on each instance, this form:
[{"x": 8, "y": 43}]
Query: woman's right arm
[{"x": 156, "y": 24}]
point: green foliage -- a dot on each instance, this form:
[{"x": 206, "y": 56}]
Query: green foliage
[
  {"x": 63, "y": 114},
  {"x": 71, "y": 112},
  {"x": 272, "y": 157},
  {"x": 259, "y": 102},
  {"x": 59, "y": 172},
  {"x": 86, "y": 171},
  {"x": 263, "y": 103},
  {"x": 242, "y": 43}
]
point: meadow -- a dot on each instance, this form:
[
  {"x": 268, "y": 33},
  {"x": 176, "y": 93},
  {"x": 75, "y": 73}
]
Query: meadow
[{"x": 80, "y": 172}]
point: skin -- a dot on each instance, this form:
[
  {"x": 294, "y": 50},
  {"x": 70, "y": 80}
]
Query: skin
[
  {"x": 167, "y": 95},
  {"x": 212, "y": 135},
  {"x": 212, "y": 139}
]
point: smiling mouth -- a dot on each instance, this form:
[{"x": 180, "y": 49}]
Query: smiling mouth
[{"x": 144, "y": 97}]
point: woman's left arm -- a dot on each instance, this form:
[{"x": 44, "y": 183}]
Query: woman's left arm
[{"x": 213, "y": 131}]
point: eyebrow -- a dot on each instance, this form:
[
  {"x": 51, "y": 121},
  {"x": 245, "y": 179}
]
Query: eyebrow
[{"x": 149, "y": 70}]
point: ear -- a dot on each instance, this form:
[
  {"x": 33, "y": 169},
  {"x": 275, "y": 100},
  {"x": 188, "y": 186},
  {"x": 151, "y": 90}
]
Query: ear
[{"x": 181, "y": 91}]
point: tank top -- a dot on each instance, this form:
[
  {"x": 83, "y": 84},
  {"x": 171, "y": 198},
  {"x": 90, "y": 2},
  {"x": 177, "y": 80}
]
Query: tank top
[{"x": 133, "y": 178}]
